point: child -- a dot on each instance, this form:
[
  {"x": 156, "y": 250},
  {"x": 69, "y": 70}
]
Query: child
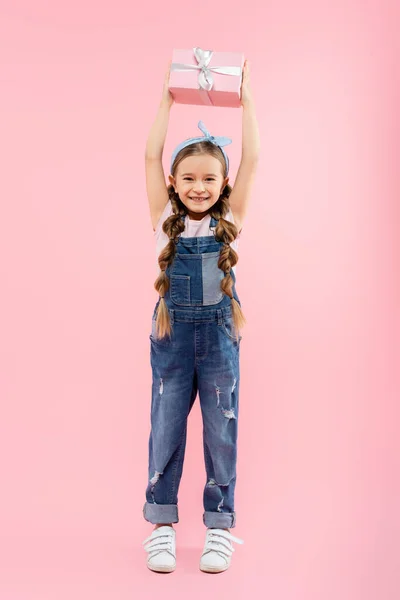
[{"x": 195, "y": 336}]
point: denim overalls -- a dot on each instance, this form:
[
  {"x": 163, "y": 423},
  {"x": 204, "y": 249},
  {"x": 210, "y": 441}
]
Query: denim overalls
[{"x": 202, "y": 355}]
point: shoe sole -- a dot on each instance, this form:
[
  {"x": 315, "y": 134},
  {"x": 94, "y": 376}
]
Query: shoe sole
[
  {"x": 162, "y": 569},
  {"x": 214, "y": 569}
]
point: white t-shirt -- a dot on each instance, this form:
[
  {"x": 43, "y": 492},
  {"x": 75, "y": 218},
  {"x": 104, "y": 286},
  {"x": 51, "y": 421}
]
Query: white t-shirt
[{"x": 192, "y": 229}]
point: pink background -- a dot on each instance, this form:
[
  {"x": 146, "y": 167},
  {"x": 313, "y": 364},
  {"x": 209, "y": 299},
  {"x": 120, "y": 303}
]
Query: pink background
[{"x": 318, "y": 475}]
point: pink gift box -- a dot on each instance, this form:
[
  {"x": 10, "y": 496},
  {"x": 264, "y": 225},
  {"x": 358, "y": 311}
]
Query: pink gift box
[{"x": 205, "y": 77}]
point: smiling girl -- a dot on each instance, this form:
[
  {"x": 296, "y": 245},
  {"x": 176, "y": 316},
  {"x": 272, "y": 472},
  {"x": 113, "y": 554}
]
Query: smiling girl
[{"x": 195, "y": 337}]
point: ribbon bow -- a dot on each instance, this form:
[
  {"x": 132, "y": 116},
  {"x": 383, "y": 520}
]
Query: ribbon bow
[
  {"x": 219, "y": 141},
  {"x": 205, "y": 78}
]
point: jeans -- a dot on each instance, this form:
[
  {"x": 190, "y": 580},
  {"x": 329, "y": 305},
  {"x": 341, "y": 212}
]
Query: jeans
[{"x": 201, "y": 356}]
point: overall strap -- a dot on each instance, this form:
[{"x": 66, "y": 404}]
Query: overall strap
[{"x": 213, "y": 222}]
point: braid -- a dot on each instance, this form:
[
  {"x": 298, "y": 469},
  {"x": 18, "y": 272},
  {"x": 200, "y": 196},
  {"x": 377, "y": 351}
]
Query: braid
[
  {"x": 227, "y": 232},
  {"x": 173, "y": 227}
]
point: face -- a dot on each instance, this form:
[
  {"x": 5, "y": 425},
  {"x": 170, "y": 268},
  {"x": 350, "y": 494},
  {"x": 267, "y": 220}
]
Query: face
[{"x": 199, "y": 182}]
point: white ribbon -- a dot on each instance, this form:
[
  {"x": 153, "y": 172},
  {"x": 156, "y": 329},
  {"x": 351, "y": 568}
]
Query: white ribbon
[{"x": 206, "y": 80}]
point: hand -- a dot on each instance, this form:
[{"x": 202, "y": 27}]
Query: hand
[
  {"x": 166, "y": 95},
  {"x": 246, "y": 94}
]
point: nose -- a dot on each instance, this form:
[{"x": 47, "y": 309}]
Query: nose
[{"x": 198, "y": 187}]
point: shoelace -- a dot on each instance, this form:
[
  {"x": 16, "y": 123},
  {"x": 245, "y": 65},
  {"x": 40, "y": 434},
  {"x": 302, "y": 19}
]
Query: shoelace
[
  {"x": 218, "y": 540},
  {"x": 154, "y": 545}
]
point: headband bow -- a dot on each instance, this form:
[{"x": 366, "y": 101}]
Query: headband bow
[{"x": 219, "y": 141}]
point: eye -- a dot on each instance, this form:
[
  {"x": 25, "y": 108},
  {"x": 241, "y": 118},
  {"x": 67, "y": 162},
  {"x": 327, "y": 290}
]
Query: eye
[
  {"x": 210, "y": 179},
  {"x": 187, "y": 178}
]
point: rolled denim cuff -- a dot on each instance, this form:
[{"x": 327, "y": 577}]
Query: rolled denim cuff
[
  {"x": 219, "y": 520},
  {"x": 160, "y": 513}
]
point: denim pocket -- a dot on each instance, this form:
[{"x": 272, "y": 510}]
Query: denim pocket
[
  {"x": 211, "y": 278},
  {"x": 153, "y": 336},
  {"x": 180, "y": 289},
  {"x": 227, "y": 327}
]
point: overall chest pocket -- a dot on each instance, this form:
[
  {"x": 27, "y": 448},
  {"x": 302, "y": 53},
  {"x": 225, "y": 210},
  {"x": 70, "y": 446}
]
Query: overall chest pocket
[
  {"x": 211, "y": 278},
  {"x": 197, "y": 282},
  {"x": 180, "y": 289}
]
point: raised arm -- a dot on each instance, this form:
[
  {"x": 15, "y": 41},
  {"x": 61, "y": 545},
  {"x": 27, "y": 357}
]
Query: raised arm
[
  {"x": 157, "y": 193},
  {"x": 240, "y": 195}
]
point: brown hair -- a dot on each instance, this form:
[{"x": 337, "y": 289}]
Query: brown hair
[{"x": 225, "y": 232}]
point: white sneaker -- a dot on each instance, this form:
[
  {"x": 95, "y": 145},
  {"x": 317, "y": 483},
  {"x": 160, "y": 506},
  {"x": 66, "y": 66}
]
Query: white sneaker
[
  {"x": 161, "y": 548},
  {"x": 217, "y": 551}
]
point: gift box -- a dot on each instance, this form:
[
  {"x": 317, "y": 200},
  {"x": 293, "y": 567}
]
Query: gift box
[{"x": 206, "y": 77}]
